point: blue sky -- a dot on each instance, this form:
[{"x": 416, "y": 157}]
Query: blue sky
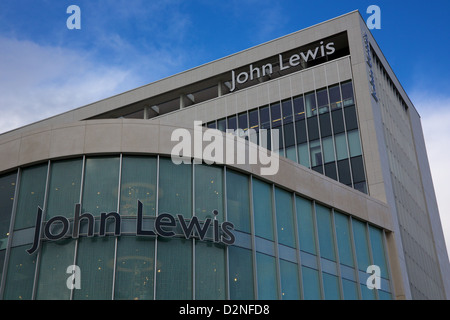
[{"x": 46, "y": 69}]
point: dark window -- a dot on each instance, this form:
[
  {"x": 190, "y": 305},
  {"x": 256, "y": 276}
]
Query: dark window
[
  {"x": 361, "y": 186},
  {"x": 358, "y": 169},
  {"x": 232, "y": 125},
  {"x": 275, "y": 113},
  {"x": 313, "y": 128},
  {"x": 351, "y": 121},
  {"x": 325, "y": 124},
  {"x": 344, "y": 172},
  {"x": 300, "y": 131},
  {"x": 347, "y": 93},
  {"x": 287, "y": 111},
  {"x": 330, "y": 170},
  {"x": 242, "y": 119},
  {"x": 299, "y": 108},
  {"x": 335, "y": 96},
  {"x": 318, "y": 169},
  {"x": 311, "y": 108},
  {"x": 289, "y": 135},
  {"x": 212, "y": 125},
  {"x": 322, "y": 100},
  {"x": 338, "y": 121},
  {"x": 264, "y": 117}
]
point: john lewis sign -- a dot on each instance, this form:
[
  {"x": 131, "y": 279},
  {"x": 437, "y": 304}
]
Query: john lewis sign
[{"x": 164, "y": 226}]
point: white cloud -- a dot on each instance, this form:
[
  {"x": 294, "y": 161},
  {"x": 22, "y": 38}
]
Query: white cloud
[
  {"x": 37, "y": 81},
  {"x": 435, "y": 114}
]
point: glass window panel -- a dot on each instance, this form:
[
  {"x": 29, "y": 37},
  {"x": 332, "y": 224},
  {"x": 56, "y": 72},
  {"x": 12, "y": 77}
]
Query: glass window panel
[
  {"x": 222, "y": 125},
  {"x": 330, "y": 287},
  {"x": 322, "y": 101},
  {"x": 354, "y": 143},
  {"x": 338, "y": 121},
  {"x": 267, "y": 277},
  {"x": 310, "y": 101},
  {"x": 238, "y": 200},
  {"x": 100, "y": 185},
  {"x": 357, "y": 169},
  {"x": 318, "y": 169},
  {"x": 313, "y": 129},
  {"x": 242, "y": 119},
  {"x": 303, "y": 154},
  {"x": 325, "y": 231},
  {"x": 289, "y": 138},
  {"x": 316, "y": 153},
  {"x": 305, "y": 223},
  {"x": 95, "y": 258},
  {"x": 241, "y": 274},
  {"x": 289, "y": 280},
  {"x": 174, "y": 269},
  {"x": 275, "y": 113},
  {"x": 384, "y": 295},
  {"x": 341, "y": 222},
  {"x": 300, "y": 131},
  {"x": 330, "y": 170},
  {"x": 209, "y": 271},
  {"x": 325, "y": 124},
  {"x": 344, "y": 172},
  {"x": 31, "y": 195},
  {"x": 347, "y": 93},
  {"x": 287, "y": 111},
  {"x": 367, "y": 294},
  {"x": 291, "y": 153},
  {"x": 64, "y": 188},
  {"x": 208, "y": 191},
  {"x": 341, "y": 146},
  {"x": 211, "y": 125},
  {"x": 361, "y": 186},
  {"x": 253, "y": 119},
  {"x": 285, "y": 217},
  {"x": 350, "y": 290},
  {"x": 361, "y": 244},
  {"x": 335, "y": 95},
  {"x": 351, "y": 120},
  {"x": 7, "y": 192},
  {"x": 138, "y": 183},
  {"x": 20, "y": 276},
  {"x": 328, "y": 150},
  {"x": 2, "y": 262},
  {"x": 264, "y": 117},
  {"x": 311, "y": 285},
  {"x": 55, "y": 258},
  {"x": 262, "y": 206},
  {"x": 175, "y": 188},
  {"x": 232, "y": 123},
  {"x": 135, "y": 268},
  {"x": 379, "y": 257},
  {"x": 299, "y": 108}
]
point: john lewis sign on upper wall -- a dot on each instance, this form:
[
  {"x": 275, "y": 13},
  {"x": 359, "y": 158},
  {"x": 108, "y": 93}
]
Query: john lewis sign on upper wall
[{"x": 291, "y": 61}]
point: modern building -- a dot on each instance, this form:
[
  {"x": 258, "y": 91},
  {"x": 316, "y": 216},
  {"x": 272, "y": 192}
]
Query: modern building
[{"x": 97, "y": 188}]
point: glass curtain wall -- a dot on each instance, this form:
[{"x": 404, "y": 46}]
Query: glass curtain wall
[{"x": 287, "y": 246}]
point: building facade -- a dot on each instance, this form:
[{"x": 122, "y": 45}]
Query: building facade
[{"x": 98, "y": 187}]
